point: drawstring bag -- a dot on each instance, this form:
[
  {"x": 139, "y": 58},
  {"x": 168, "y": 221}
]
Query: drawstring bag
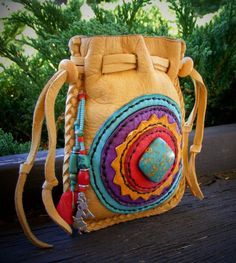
[{"x": 126, "y": 150}]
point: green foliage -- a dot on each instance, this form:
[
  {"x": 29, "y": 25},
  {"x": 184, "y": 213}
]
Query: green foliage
[
  {"x": 203, "y": 7},
  {"x": 185, "y": 15},
  {"x": 212, "y": 47},
  {"x": 16, "y": 103},
  {"x": 129, "y": 10},
  {"x": 91, "y": 2},
  {"x": 129, "y": 18},
  {"x": 22, "y": 82},
  {"x": 9, "y": 146}
]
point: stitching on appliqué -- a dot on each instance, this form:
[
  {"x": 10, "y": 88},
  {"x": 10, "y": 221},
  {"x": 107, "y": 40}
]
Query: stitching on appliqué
[
  {"x": 169, "y": 173},
  {"x": 98, "y": 140}
]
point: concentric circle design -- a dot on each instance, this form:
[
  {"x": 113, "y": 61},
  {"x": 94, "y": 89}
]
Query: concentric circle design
[
  {"x": 136, "y": 155},
  {"x": 135, "y": 152}
]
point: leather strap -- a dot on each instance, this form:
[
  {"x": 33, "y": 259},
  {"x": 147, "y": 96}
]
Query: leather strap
[
  {"x": 44, "y": 106},
  {"x": 198, "y": 112},
  {"x": 50, "y": 178},
  {"x": 122, "y": 62},
  {"x": 25, "y": 168}
]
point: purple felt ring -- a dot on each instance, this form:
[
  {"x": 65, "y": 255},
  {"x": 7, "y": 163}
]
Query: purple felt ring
[{"x": 118, "y": 137}]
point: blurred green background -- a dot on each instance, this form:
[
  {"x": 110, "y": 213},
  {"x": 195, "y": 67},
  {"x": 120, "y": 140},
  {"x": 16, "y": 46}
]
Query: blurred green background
[{"x": 34, "y": 39}]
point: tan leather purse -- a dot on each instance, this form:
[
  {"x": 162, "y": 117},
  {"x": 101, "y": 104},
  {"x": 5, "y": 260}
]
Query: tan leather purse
[{"x": 126, "y": 135}]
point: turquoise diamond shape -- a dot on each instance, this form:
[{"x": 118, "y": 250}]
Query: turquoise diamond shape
[{"x": 156, "y": 160}]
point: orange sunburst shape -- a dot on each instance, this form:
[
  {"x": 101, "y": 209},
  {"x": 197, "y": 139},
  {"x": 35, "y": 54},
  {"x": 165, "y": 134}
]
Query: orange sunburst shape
[{"x": 118, "y": 165}]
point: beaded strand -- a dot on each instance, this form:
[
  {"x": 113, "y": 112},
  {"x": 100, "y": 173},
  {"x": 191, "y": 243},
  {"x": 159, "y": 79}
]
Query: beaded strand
[{"x": 79, "y": 162}]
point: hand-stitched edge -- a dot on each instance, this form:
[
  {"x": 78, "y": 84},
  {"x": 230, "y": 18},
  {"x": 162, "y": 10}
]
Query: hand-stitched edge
[
  {"x": 94, "y": 225},
  {"x": 130, "y": 156},
  {"x": 178, "y": 151}
]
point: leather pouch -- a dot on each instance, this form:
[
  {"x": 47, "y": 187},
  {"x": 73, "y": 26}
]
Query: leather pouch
[{"x": 126, "y": 134}]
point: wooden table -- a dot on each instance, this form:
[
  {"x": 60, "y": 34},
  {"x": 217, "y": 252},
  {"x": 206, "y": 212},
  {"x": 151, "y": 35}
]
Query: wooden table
[{"x": 195, "y": 231}]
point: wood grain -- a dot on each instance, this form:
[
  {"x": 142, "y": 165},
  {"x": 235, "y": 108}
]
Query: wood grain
[
  {"x": 195, "y": 231},
  {"x": 218, "y": 154}
]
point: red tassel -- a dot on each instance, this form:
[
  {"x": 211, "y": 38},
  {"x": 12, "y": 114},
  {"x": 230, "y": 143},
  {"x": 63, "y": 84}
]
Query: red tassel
[{"x": 64, "y": 207}]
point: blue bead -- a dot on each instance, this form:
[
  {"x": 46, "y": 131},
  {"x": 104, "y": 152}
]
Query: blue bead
[
  {"x": 73, "y": 176},
  {"x": 73, "y": 163}
]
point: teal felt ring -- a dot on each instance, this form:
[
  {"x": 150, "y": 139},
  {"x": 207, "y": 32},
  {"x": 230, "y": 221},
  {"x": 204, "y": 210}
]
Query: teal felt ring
[{"x": 106, "y": 131}]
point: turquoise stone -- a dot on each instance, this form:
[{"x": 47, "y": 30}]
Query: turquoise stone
[{"x": 156, "y": 160}]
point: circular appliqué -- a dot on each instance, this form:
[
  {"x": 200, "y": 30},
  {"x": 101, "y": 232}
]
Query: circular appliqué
[{"x": 136, "y": 155}]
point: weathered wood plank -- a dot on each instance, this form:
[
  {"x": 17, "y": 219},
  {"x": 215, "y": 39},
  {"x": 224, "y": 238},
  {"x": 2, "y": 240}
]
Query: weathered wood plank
[
  {"x": 218, "y": 154},
  {"x": 195, "y": 231}
]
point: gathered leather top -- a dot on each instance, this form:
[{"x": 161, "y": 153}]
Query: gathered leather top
[{"x": 108, "y": 54}]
